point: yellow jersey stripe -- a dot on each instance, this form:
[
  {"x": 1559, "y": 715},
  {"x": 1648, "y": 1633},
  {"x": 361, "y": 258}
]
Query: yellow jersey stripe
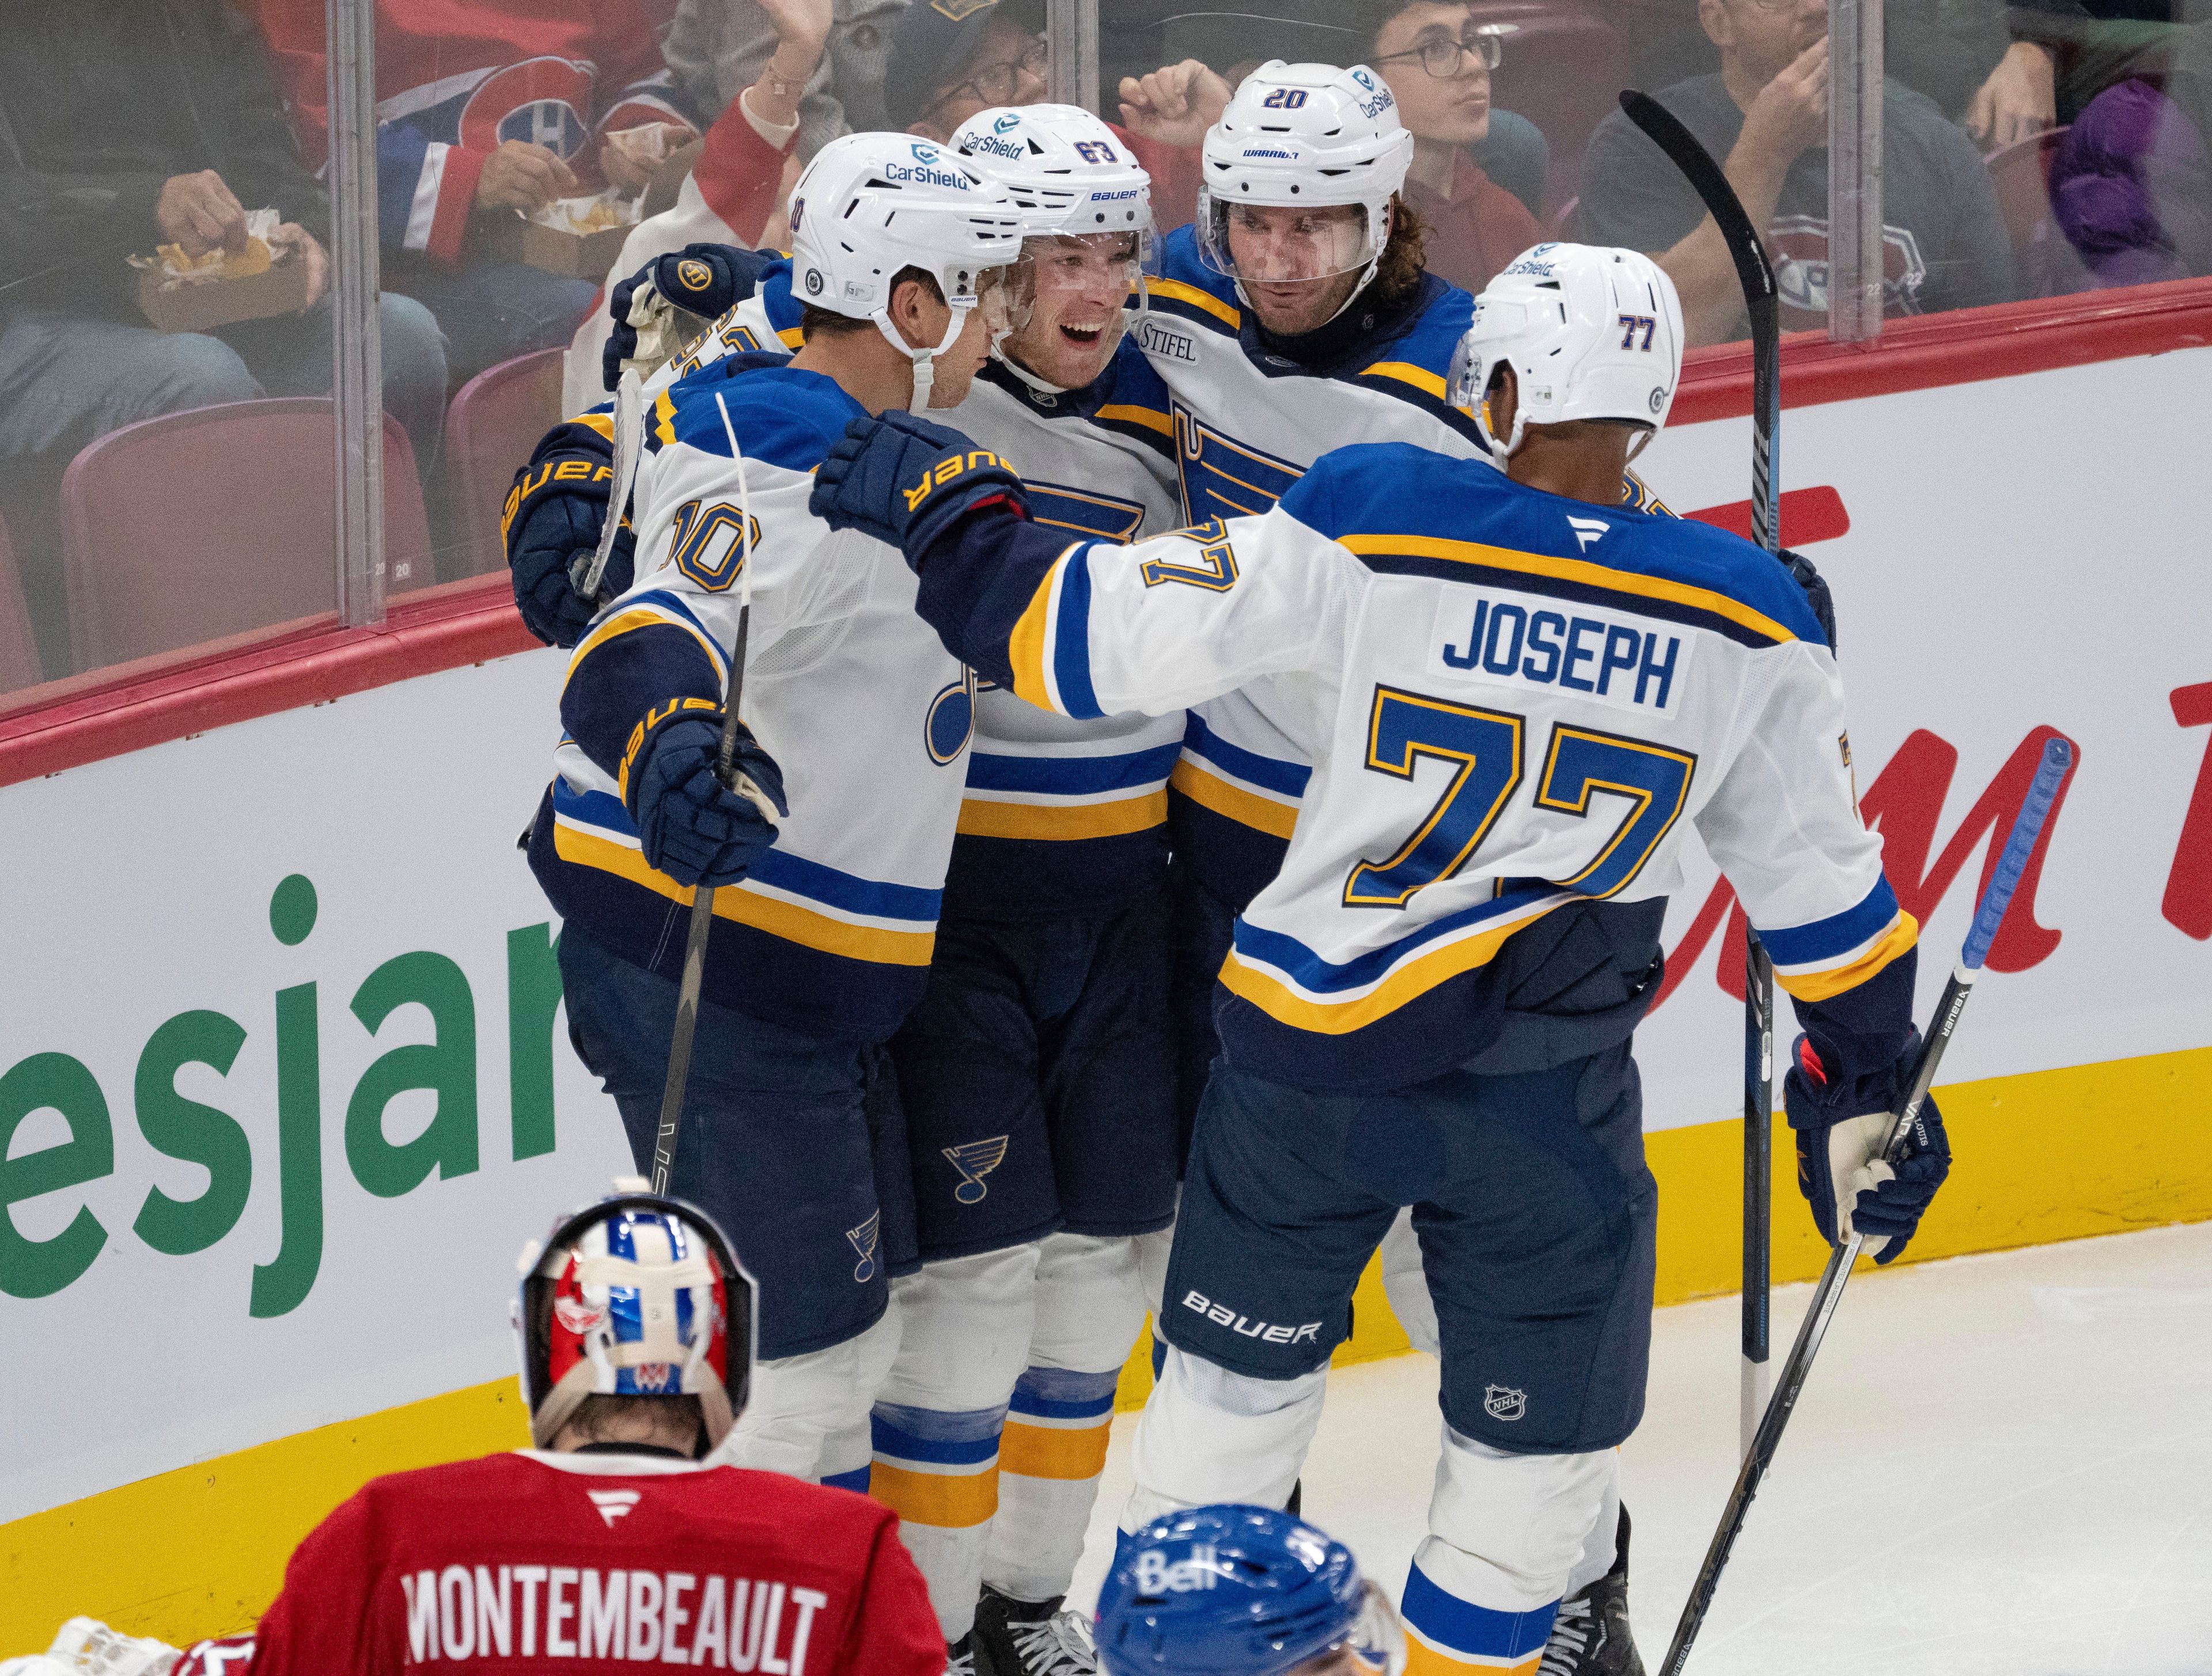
[
  {"x": 1406, "y": 372},
  {"x": 638, "y": 617},
  {"x": 1408, "y": 983},
  {"x": 1423, "y": 1659},
  {"x": 1572, "y": 570},
  {"x": 1040, "y": 1452},
  {"x": 794, "y": 336},
  {"x": 1029, "y": 645},
  {"x": 664, "y": 417},
  {"x": 981, "y": 818},
  {"x": 1234, "y": 802},
  {"x": 946, "y": 1500},
  {"x": 1150, "y": 418},
  {"x": 1903, "y": 932},
  {"x": 602, "y": 422},
  {"x": 779, "y": 918},
  {"x": 1179, "y": 292}
]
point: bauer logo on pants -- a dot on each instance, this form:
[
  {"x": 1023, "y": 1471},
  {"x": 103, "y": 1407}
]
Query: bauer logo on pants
[
  {"x": 975, "y": 1161},
  {"x": 1502, "y": 1402}
]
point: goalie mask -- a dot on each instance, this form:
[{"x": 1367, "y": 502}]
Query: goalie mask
[
  {"x": 638, "y": 1295},
  {"x": 1590, "y": 332}
]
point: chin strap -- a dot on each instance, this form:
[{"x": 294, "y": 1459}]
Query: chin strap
[{"x": 925, "y": 376}]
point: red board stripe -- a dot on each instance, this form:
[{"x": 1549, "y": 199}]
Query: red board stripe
[{"x": 1807, "y": 516}]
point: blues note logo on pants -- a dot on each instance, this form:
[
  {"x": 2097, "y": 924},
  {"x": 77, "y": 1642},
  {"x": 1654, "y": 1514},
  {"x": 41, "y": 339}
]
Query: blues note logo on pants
[
  {"x": 975, "y": 1161},
  {"x": 863, "y": 1240}
]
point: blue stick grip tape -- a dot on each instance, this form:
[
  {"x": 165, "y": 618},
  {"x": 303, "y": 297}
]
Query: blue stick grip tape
[{"x": 2027, "y": 828}]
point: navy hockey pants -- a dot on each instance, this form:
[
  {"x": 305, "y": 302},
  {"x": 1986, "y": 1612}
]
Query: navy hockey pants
[
  {"x": 792, "y": 1143},
  {"x": 1536, "y": 1214},
  {"x": 1038, "y": 1081}
]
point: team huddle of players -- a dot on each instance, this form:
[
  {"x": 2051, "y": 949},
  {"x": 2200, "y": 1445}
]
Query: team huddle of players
[{"x": 1202, "y": 814}]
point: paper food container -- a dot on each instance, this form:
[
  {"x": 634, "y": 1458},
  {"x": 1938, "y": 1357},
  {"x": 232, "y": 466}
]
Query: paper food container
[
  {"x": 281, "y": 289},
  {"x": 557, "y": 244}
]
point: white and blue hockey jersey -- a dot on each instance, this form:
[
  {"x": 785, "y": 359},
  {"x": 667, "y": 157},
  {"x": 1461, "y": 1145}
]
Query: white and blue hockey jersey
[
  {"x": 1248, "y": 423},
  {"x": 847, "y": 689},
  {"x": 1062, "y": 817},
  {"x": 1516, "y": 712}
]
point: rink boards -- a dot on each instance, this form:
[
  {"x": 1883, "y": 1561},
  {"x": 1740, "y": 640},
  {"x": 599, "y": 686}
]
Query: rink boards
[{"x": 271, "y": 1146}]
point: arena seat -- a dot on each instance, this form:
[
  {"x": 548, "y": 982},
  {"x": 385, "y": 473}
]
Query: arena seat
[
  {"x": 1564, "y": 68},
  {"x": 493, "y": 422},
  {"x": 19, "y": 652},
  {"x": 2021, "y": 173},
  {"x": 217, "y": 520}
]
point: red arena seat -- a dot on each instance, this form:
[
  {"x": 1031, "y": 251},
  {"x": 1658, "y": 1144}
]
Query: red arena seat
[
  {"x": 218, "y": 521},
  {"x": 493, "y": 425},
  {"x": 19, "y": 652},
  {"x": 1564, "y": 69}
]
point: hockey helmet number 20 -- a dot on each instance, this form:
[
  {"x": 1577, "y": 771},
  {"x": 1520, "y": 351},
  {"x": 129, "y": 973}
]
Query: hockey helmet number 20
[{"x": 637, "y": 1295}]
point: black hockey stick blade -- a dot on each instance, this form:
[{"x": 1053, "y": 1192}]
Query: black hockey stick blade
[{"x": 1753, "y": 270}]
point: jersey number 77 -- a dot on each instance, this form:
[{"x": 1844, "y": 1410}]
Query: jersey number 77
[{"x": 1486, "y": 748}]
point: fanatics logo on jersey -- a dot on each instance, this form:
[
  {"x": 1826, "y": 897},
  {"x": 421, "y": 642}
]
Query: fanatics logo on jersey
[
  {"x": 612, "y": 1503},
  {"x": 975, "y": 1161},
  {"x": 1502, "y": 1402},
  {"x": 1588, "y": 530}
]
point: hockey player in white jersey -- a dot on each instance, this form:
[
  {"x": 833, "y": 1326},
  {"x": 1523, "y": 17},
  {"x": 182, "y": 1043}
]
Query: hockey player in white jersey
[
  {"x": 1036, "y": 1073},
  {"x": 823, "y": 933},
  {"x": 1525, "y": 691}
]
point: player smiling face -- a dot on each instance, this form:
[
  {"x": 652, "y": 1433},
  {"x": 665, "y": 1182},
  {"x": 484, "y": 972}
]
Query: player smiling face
[
  {"x": 1076, "y": 288},
  {"x": 1297, "y": 266}
]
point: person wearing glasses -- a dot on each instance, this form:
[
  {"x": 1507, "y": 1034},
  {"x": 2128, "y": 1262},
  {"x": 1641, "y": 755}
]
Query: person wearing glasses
[
  {"x": 1438, "y": 60},
  {"x": 1765, "y": 114},
  {"x": 949, "y": 62}
]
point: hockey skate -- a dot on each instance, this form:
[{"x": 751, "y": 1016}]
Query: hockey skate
[
  {"x": 1021, "y": 1639},
  {"x": 1591, "y": 1636},
  {"x": 960, "y": 1656}
]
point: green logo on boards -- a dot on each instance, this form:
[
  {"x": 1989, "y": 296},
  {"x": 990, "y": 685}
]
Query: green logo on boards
[{"x": 194, "y": 1132}]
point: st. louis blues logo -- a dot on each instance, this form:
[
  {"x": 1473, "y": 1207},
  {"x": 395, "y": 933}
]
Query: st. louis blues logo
[
  {"x": 863, "y": 1241},
  {"x": 975, "y": 1161}
]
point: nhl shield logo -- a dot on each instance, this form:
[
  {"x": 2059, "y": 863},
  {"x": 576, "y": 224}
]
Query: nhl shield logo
[
  {"x": 1502, "y": 1402},
  {"x": 975, "y": 1161},
  {"x": 863, "y": 1241}
]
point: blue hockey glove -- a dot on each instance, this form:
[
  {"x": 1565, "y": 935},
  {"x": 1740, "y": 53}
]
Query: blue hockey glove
[
  {"x": 702, "y": 280},
  {"x": 906, "y": 481},
  {"x": 1841, "y": 1124},
  {"x": 1816, "y": 591},
  {"x": 543, "y": 546},
  {"x": 691, "y": 826}
]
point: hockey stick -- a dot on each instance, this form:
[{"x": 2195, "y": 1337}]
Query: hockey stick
[
  {"x": 703, "y": 895},
  {"x": 2027, "y": 828},
  {"x": 1763, "y": 302}
]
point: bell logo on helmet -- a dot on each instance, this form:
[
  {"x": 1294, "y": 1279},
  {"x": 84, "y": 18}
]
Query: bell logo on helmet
[
  {"x": 1502, "y": 1402},
  {"x": 1157, "y": 1574}
]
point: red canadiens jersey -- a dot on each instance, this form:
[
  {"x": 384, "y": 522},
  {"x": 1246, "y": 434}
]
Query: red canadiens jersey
[{"x": 534, "y": 1562}]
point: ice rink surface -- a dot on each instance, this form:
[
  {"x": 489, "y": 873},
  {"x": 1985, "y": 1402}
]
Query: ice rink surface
[{"x": 2001, "y": 1465}]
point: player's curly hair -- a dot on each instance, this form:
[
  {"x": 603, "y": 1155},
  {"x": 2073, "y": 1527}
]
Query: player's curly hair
[{"x": 1399, "y": 273}]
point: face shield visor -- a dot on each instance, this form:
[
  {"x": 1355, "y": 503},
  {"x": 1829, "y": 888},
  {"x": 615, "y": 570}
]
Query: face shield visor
[
  {"x": 1374, "y": 1646},
  {"x": 1278, "y": 244}
]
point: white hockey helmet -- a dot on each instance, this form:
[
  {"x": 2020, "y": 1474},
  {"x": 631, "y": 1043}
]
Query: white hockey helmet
[
  {"x": 870, "y": 205},
  {"x": 1305, "y": 136},
  {"x": 1590, "y": 332},
  {"x": 637, "y": 1295},
  {"x": 1067, "y": 172}
]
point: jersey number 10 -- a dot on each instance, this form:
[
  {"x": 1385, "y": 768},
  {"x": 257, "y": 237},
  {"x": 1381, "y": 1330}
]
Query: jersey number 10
[{"x": 1485, "y": 746}]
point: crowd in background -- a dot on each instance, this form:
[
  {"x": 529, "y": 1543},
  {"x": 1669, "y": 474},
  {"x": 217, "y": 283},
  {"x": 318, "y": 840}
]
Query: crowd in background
[{"x": 136, "y": 124}]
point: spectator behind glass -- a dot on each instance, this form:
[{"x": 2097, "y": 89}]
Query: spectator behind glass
[
  {"x": 1438, "y": 66},
  {"x": 486, "y": 107},
  {"x": 719, "y": 48},
  {"x": 1766, "y": 113},
  {"x": 125, "y": 126},
  {"x": 2130, "y": 196}
]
